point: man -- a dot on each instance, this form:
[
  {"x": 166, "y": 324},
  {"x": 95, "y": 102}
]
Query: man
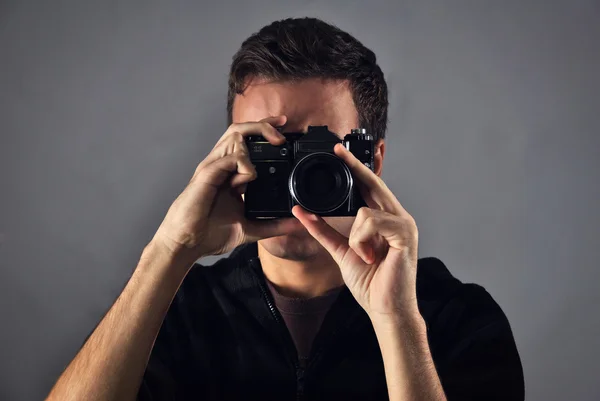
[{"x": 307, "y": 307}]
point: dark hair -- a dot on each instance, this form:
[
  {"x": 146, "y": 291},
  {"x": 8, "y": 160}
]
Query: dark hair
[{"x": 300, "y": 48}]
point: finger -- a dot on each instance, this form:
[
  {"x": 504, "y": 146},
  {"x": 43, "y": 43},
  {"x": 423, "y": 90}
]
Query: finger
[
  {"x": 264, "y": 127},
  {"x": 234, "y": 142},
  {"x": 365, "y": 250},
  {"x": 236, "y": 164},
  {"x": 245, "y": 171},
  {"x": 397, "y": 231},
  {"x": 363, "y": 246},
  {"x": 260, "y": 229},
  {"x": 233, "y": 139},
  {"x": 375, "y": 193},
  {"x": 334, "y": 242},
  {"x": 240, "y": 189}
]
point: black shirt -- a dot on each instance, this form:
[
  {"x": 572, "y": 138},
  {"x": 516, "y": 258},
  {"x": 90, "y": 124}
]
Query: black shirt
[
  {"x": 303, "y": 317},
  {"x": 224, "y": 339}
]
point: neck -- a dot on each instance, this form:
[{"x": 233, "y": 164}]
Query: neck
[{"x": 300, "y": 279}]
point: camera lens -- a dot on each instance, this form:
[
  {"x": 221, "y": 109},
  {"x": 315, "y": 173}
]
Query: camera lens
[{"x": 320, "y": 182}]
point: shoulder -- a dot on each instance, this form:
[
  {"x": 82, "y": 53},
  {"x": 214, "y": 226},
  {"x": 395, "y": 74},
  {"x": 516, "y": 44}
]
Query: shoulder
[
  {"x": 229, "y": 268},
  {"x": 185, "y": 334},
  {"x": 227, "y": 275},
  {"x": 470, "y": 338},
  {"x": 200, "y": 298},
  {"x": 449, "y": 305},
  {"x": 437, "y": 285}
]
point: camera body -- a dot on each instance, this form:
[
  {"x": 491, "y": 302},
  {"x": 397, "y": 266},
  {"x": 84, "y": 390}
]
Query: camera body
[{"x": 305, "y": 171}]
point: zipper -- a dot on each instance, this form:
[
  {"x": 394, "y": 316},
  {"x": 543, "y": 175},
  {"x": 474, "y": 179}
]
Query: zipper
[
  {"x": 300, "y": 371},
  {"x": 347, "y": 323},
  {"x": 321, "y": 349},
  {"x": 299, "y": 383}
]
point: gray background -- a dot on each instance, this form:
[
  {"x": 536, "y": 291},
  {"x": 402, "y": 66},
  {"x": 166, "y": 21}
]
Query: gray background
[{"x": 107, "y": 107}]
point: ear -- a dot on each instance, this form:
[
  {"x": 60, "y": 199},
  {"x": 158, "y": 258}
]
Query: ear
[{"x": 378, "y": 156}]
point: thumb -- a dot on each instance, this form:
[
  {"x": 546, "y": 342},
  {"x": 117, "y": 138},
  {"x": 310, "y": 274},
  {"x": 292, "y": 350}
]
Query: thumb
[{"x": 334, "y": 242}]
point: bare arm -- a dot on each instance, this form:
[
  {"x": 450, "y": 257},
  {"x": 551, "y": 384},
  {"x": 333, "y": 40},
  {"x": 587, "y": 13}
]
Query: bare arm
[
  {"x": 111, "y": 364},
  {"x": 378, "y": 262},
  {"x": 409, "y": 369}
]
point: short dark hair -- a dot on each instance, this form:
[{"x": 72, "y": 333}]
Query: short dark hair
[{"x": 300, "y": 48}]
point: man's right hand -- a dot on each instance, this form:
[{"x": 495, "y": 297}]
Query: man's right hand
[{"x": 207, "y": 218}]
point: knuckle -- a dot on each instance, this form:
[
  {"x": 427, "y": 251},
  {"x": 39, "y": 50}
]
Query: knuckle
[
  {"x": 241, "y": 153},
  {"x": 409, "y": 226},
  {"x": 242, "y": 147},
  {"x": 237, "y": 137},
  {"x": 413, "y": 227},
  {"x": 233, "y": 127},
  {"x": 369, "y": 223},
  {"x": 363, "y": 212},
  {"x": 269, "y": 130}
]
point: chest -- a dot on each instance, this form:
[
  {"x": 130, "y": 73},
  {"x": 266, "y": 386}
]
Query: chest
[{"x": 247, "y": 360}]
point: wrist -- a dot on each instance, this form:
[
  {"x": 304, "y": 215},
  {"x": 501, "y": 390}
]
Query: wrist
[
  {"x": 403, "y": 320},
  {"x": 409, "y": 368},
  {"x": 175, "y": 249},
  {"x": 159, "y": 254}
]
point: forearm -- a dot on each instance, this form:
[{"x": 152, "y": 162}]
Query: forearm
[
  {"x": 409, "y": 369},
  {"x": 111, "y": 363}
]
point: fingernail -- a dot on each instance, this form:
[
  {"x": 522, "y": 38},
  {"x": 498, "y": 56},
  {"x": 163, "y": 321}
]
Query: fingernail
[{"x": 313, "y": 217}]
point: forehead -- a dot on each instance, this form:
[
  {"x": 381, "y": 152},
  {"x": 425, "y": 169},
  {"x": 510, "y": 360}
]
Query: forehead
[{"x": 306, "y": 102}]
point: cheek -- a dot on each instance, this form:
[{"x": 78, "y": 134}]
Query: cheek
[{"x": 343, "y": 225}]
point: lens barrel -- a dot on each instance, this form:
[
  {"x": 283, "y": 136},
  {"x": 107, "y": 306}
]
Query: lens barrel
[{"x": 320, "y": 182}]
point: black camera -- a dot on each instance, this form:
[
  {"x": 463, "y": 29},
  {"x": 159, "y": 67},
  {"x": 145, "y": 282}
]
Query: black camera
[{"x": 305, "y": 171}]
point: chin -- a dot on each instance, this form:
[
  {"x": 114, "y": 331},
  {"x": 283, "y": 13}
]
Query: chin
[
  {"x": 301, "y": 245},
  {"x": 298, "y": 246}
]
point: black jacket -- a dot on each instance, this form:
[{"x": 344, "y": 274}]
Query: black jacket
[{"x": 223, "y": 339}]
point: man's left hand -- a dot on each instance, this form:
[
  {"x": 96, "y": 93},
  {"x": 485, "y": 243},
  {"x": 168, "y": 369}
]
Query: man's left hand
[{"x": 378, "y": 261}]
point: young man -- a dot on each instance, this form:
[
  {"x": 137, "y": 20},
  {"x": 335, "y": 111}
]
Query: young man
[{"x": 308, "y": 307}]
